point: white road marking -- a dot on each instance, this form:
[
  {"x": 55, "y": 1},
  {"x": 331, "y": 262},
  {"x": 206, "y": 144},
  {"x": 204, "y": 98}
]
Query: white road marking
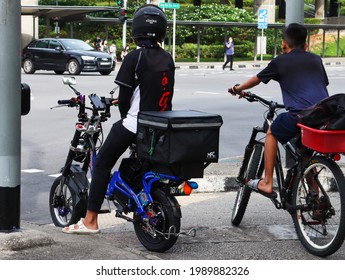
[{"x": 32, "y": 170}]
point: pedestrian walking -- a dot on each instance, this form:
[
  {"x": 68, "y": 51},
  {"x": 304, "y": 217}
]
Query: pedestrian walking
[{"x": 229, "y": 48}]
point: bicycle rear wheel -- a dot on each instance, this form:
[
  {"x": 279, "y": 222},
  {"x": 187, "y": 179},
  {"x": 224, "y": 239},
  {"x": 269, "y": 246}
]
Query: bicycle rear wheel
[
  {"x": 320, "y": 219},
  {"x": 243, "y": 193}
]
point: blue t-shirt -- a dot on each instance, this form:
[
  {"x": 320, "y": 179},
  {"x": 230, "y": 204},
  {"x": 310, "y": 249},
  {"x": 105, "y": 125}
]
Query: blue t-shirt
[
  {"x": 229, "y": 50},
  {"x": 302, "y": 78}
]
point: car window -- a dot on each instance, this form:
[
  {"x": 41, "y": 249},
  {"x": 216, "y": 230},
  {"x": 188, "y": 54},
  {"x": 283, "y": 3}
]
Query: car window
[
  {"x": 53, "y": 44},
  {"x": 76, "y": 45},
  {"x": 42, "y": 44}
]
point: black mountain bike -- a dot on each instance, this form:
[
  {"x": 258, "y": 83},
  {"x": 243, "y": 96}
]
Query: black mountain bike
[{"x": 312, "y": 190}]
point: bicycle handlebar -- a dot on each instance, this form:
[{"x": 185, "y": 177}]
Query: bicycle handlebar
[
  {"x": 70, "y": 102},
  {"x": 100, "y": 106},
  {"x": 251, "y": 97}
]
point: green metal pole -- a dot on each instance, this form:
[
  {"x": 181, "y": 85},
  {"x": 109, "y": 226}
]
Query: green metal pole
[
  {"x": 10, "y": 114},
  {"x": 294, "y": 12}
]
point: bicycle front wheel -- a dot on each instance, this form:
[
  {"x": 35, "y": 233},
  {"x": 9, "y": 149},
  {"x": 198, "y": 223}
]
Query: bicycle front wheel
[
  {"x": 320, "y": 199},
  {"x": 243, "y": 193}
]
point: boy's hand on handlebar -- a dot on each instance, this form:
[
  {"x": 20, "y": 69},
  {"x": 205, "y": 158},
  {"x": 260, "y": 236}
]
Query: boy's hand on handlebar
[{"x": 234, "y": 91}]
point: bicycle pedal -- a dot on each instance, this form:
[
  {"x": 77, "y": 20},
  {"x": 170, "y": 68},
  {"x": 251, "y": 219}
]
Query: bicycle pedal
[{"x": 104, "y": 211}]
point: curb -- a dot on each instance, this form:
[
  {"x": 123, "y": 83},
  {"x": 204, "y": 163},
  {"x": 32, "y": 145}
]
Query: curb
[
  {"x": 24, "y": 239},
  {"x": 240, "y": 65},
  {"x": 216, "y": 183}
]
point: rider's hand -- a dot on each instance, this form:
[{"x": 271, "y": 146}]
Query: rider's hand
[
  {"x": 115, "y": 102},
  {"x": 234, "y": 92}
]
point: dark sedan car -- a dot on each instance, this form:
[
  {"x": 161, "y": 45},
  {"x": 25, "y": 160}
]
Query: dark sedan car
[{"x": 62, "y": 55}]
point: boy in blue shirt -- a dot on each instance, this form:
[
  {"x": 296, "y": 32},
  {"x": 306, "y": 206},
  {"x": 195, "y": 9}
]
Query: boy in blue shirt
[{"x": 303, "y": 81}]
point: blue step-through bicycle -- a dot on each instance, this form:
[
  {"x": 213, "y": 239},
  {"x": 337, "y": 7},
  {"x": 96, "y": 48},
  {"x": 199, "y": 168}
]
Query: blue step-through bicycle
[{"x": 139, "y": 195}]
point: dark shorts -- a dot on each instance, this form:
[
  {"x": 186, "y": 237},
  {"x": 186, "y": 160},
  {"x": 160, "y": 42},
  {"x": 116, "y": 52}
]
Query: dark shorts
[{"x": 284, "y": 127}]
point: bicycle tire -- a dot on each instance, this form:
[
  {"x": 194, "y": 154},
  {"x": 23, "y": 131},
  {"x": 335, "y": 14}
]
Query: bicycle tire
[
  {"x": 167, "y": 222},
  {"x": 63, "y": 209},
  {"x": 321, "y": 225},
  {"x": 243, "y": 193}
]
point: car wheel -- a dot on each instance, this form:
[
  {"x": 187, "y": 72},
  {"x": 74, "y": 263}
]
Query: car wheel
[
  {"x": 59, "y": 72},
  {"x": 73, "y": 67},
  {"x": 105, "y": 72},
  {"x": 28, "y": 66}
]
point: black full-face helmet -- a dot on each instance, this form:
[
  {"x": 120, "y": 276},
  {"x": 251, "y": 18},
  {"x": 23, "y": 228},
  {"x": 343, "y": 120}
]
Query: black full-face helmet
[{"x": 149, "y": 22}]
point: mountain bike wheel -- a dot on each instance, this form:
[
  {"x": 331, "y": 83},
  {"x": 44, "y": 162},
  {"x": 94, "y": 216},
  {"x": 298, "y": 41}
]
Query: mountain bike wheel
[
  {"x": 63, "y": 206},
  {"x": 243, "y": 193},
  {"x": 320, "y": 219},
  {"x": 161, "y": 232}
]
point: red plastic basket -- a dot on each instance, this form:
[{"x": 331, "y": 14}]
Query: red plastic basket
[{"x": 323, "y": 141}]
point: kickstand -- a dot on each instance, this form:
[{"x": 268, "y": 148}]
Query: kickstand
[
  {"x": 171, "y": 232},
  {"x": 191, "y": 232}
]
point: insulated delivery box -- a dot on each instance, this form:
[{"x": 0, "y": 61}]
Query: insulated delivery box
[{"x": 179, "y": 142}]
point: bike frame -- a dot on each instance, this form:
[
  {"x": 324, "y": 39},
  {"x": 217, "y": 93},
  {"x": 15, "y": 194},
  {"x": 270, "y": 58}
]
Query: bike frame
[
  {"x": 282, "y": 181},
  {"x": 144, "y": 197}
]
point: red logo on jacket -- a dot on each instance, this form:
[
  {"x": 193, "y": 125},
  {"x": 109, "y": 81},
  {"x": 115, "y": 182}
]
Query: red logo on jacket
[{"x": 163, "y": 102}]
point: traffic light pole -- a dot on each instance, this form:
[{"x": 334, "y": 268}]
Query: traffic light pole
[
  {"x": 10, "y": 114},
  {"x": 174, "y": 35},
  {"x": 124, "y": 28},
  {"x": 294, "y": 12}
]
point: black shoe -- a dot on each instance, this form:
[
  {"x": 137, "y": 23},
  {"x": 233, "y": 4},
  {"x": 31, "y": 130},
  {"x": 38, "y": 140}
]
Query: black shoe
[
  {"x": 223, "y": 67},
  {"x": 232, "y": 69}
]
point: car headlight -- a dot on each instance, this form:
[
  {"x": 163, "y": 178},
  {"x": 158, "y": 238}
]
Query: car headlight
[{"x": 86, "y": 57}]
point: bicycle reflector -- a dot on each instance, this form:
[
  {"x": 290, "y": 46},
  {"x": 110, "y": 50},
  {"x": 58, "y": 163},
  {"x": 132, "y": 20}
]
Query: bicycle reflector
[{"x": 25, "y": 99}]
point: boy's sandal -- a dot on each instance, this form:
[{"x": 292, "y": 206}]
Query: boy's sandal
[{"x": 253, "y": 185}]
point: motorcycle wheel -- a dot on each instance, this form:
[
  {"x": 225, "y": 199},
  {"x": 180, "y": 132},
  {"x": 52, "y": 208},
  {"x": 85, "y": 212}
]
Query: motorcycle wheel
[
  {"x": 161, "y": 232},
  {"x": 63, "y": 206}
]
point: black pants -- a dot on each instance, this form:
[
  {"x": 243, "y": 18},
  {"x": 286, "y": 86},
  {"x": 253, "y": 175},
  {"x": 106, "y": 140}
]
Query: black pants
[
  {"x": 116, "y": 143},
  {"x": 229, "y": 58}
]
